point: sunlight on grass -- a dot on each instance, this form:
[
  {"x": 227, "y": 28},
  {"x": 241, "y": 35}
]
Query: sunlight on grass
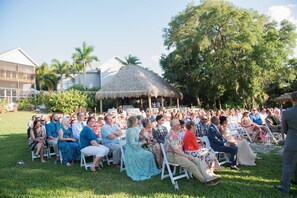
[{"x": 35, "y": 179}]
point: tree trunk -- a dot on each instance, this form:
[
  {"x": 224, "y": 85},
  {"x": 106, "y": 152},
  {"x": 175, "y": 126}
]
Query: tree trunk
[
  {"x": 253, "y": 101},
  {"x": 61, "y": 82},
  {"x": 85, "y": 85},
  {"x": 220, "y": 105},
  {"x": 198, "y": 101}
]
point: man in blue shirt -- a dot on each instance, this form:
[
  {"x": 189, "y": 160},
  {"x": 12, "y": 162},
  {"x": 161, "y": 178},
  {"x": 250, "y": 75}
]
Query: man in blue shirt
[
  {"x": 110, "y": 138},
  {"x": 52, "y": 129},
  {"x": 255, "y": 117}
]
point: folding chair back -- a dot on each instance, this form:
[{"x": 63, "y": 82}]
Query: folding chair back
[
  {"x": 83, "y": 162},
  {"x": 244, "y": 134},
  {"x": 222, "y": 157},
  {"x": 123, "y": 144},
  {"x": 166, "y": 165},
  {"x": 275, "y": 136}
]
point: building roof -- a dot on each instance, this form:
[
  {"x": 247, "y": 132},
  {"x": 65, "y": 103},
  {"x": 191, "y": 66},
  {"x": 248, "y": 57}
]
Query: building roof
[
  {"x": 17, "y": 55},
  {"x": 136, "y": 81},
  {"x": 284, "y": 97}
]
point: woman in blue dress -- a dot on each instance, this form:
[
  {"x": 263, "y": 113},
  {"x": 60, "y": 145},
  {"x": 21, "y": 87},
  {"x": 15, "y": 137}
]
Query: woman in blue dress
[
  {"x": 140, "y": 163},
  {"x": 69, "y": 147}
]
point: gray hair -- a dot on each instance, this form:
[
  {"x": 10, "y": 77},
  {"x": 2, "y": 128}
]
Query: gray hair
[
  {"x": 131, "y": 121},
  {"x": 174, "y": 122},
  {"x": 65, "y": 121}
]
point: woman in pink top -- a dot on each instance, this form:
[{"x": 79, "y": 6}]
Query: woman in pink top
[{"x": 250, "y": 126}]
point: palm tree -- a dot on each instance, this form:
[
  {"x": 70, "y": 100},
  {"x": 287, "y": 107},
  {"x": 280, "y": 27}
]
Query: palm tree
[
  {"x": 62, "y": 70},
  {"x": 45, "y": 77},
  {"x": 132, "y": 60},
  {"x": 82, "y": 57}
]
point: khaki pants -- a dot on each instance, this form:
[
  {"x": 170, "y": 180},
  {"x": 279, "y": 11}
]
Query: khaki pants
[
  {"x": 54, "y": 143},
  {"x": 187, "y": 164}
]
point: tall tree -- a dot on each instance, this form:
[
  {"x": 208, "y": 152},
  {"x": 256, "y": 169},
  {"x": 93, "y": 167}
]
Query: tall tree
[
  {"x": 82, "y": 57},
  {"x": 132, "y": 60},
  {"x": 219, "y": 51},
  {"x": 45, "y": 77},
  {"x": 62, "y": 70}
]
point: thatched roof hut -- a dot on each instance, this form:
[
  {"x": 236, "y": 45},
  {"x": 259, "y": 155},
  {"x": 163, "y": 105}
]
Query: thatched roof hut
[
  {"x": 283, "y": 98},
  {"x": 134, "y": 81}
]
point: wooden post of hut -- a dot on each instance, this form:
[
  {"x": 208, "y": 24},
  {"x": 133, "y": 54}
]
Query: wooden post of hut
[
  {"x": 101, "y": 106},
  {"x": 177, "y": 102},
  {"x": 171, "y": 102},
  {"x": 150, "y": 102},
  {"x": 162, "y": 102}
]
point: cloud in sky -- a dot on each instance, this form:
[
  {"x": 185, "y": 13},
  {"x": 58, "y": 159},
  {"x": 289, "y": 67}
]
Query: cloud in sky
[
  {"x": 155, "y": 58},
  {"x": 279, "y": 13}
]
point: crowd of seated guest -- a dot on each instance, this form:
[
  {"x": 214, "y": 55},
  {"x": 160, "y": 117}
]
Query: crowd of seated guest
[{"x": 100, "y": 136}]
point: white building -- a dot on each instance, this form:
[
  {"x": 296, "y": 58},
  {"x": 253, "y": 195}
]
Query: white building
[
  {"x": 96, "y": 75},
  {"x": 17, "y": 75}
]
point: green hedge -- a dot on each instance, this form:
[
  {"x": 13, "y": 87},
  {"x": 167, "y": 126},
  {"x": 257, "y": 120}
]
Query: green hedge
[{"x": 64, "y": 102}]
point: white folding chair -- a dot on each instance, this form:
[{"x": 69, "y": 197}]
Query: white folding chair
[
  {"x": 61, "y": 157},
  {"x": 50, "y": 151},
  {"x": 33, "y": 156},
  {"x": 276, "y": 136},
  {"x": 108, "y": 159},
  {"x": 166, "y": 165},
  {"x": 242, "y": 131},
  {"x": 122, "y": 143},
  {"x": 222, "y": 157},
  {"x": 233, "y": 129},
  {"x": 83, "y": 161}
]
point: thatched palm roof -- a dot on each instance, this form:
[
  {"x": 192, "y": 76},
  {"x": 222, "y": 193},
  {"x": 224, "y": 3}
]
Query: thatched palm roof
[
  {"x": 136, "y": 81},
  {"x": 284, "y": 97}
]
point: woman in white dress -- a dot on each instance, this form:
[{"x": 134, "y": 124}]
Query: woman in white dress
[{"x": 245, "y": 155}]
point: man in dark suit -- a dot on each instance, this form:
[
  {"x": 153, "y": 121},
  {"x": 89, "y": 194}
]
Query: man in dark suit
[
  {"x": 289, "y": 125},
  {"x": 218, "y": 143}
]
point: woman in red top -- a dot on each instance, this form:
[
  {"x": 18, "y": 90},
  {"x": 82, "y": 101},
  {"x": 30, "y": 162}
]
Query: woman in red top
[{"x": 207, "y": 157}]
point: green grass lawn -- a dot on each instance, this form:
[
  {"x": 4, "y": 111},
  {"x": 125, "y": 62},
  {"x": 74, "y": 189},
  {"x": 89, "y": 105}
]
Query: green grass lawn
[{"x": 49, "y": 180}]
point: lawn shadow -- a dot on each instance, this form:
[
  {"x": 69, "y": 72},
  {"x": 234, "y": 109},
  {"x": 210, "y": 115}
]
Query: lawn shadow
[{"x": 50, "y": 180}]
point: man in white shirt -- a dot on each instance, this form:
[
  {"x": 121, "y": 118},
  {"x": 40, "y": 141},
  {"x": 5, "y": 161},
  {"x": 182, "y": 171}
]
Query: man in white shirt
[{"x": 79, "y": 125}]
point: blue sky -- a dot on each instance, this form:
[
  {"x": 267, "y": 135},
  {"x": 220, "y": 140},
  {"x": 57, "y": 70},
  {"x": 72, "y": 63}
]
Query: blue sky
[{"x": 48, "y": 29}]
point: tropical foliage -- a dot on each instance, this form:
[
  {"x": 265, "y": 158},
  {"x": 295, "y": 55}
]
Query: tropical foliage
[
  {"x": 65, "y": 101},
  {"x": 62, "y": 70},
  {"x": 45, "y": 77},
  {"x": 132, "y": 60},
  {"x": 220, "y": 53},
  {"x": 82, "y": 57}
]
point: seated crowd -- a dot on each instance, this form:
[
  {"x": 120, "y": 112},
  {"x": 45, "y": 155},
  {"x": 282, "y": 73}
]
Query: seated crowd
[{"x": 182, "y": 132}]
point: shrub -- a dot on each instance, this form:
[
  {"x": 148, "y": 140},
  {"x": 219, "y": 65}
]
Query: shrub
[
  {"x": 64, "y": 102},
  {"x": 3, "y": 104},
  {"x": 23, "y": 104},
  {"x": 90, "y": 93}
]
